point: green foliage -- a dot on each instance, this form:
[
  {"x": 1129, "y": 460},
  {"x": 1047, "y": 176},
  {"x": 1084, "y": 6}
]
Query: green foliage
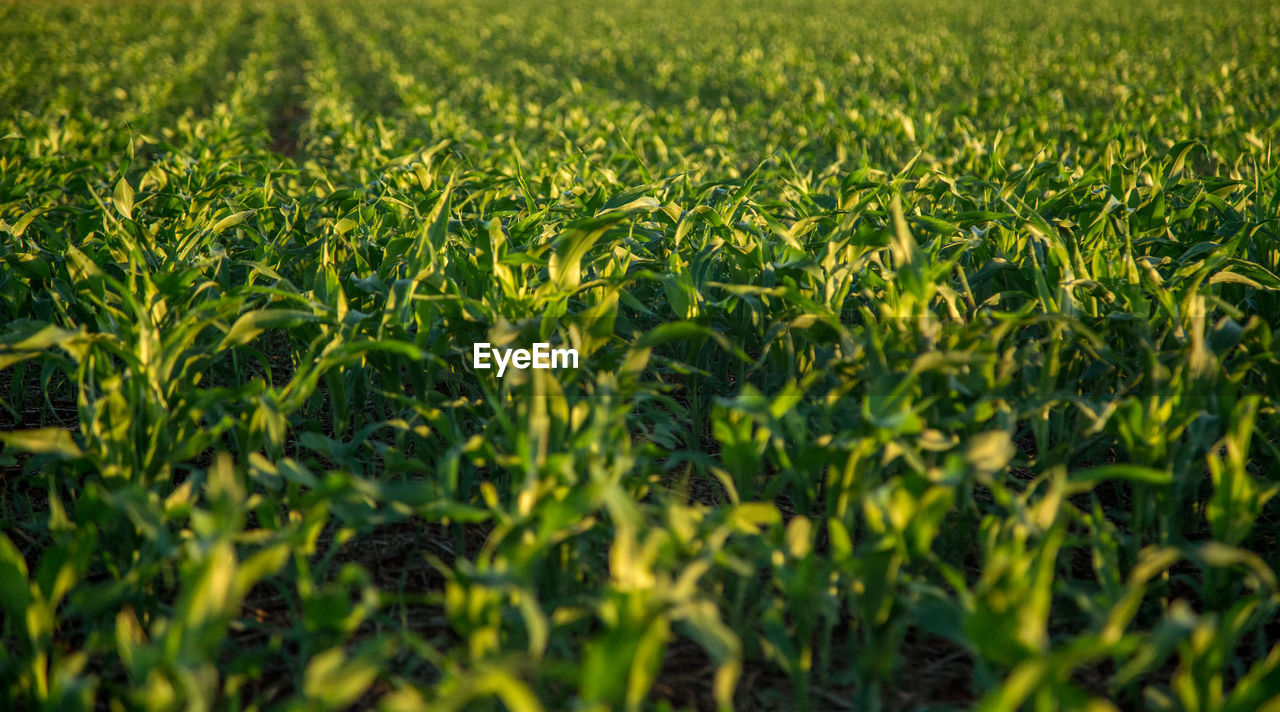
[{"x": 926, "y": 355}]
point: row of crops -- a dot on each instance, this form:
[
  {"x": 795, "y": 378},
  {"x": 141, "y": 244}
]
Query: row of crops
[{"x": 926, "y": 355}]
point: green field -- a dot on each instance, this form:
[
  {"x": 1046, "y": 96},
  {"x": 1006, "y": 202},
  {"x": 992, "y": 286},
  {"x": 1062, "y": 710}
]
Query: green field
[{"x": 926, "y": 353}]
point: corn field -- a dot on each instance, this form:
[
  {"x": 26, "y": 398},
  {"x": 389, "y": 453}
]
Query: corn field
[{"x": 924, "y": 355}]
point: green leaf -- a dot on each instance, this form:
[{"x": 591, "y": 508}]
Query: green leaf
[
  {"x": 991, "y": 451},
  {"x": 565, "y": 266},
  {"x": 250, "y": 324},
  {"x": 43, "y": 441},
  {"x": 14, "y": 594},
  {"x": 230, "y": 221},
  {"x": 122, "y": 199},
  {"x": 1122, "y": 471},
  {"x": 334, "y": 682}
]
